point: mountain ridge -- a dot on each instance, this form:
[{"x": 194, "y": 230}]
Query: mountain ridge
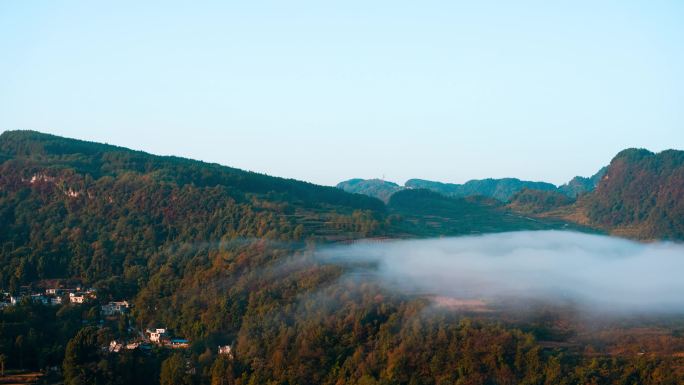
[
  {"x": 65, "y": 152},
  {"x": 640, "y": 195},
  {"x": 220, "y": 256},
  {"x": 502, "y": 189}
]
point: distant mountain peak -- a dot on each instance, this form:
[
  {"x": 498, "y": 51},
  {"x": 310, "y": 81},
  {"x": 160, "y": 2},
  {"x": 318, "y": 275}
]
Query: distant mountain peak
[
  {"x": 501, "y": 189},
  {"x": 376, "y": 188},
  {"x": 580, "y": 185}
]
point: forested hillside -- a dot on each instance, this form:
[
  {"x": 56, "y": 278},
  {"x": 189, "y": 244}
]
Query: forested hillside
[
  {"x": 76, "y": 209},
  {"x": 503, "y": 189},
  {"x": 500, "y": 189},
  {"x": 425, "y": 212},
  {"x": 641, "y": 195},
  {"x": 581, "y": 185},
  {"x": 377, "y": 188},
  {"x": 537, "y": 201},
  {"x": 220, "y": 256}
]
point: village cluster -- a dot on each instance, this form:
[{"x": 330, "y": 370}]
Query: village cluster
[
  {"x": 151, "y": 337},
  {"x": 50, "y": 296},
  {"x": 156, "y": 336},
  {"x": 159, "y": 337},
  {"x": 79, "y": 295}
]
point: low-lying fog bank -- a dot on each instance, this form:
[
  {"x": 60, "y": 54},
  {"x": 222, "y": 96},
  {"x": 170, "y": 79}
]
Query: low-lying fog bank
[{"x": 592, "y": 271}]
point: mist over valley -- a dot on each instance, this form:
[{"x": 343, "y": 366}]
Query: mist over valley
[{"x": 595, "y": 273}]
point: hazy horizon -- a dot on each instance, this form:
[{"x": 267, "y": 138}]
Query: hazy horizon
[
  {"x": 327, "y": 92},
  {"x": 398, "y": 182}
]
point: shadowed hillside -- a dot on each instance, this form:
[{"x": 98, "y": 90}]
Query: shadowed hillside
[
  {"x": 426, "y": 212},
  {"x": 501, "y": 189}
]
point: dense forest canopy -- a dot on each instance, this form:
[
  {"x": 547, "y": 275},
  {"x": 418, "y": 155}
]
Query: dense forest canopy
[
  {"x": 98, "y": 160},
  {"x": 538, "y": 201},
  {"x": 501, "y": 189},
  {"x": 221, "y": 256},
  {"x": 641, "y": 195}
]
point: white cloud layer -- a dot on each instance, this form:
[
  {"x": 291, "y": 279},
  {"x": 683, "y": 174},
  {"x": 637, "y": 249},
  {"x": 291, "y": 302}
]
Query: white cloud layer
[{"x": 593, "y": 271}]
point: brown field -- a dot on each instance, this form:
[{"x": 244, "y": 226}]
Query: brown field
[{"x": 20, "y": 378}]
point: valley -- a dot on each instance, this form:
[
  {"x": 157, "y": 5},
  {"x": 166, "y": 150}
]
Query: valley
[{"x": 219, "y": 257}]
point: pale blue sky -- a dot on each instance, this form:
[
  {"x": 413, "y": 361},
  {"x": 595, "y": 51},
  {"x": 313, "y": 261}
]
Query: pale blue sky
[{"x": 324, "y": 91}]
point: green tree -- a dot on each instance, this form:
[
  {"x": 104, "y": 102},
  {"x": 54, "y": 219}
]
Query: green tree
[
  {"x": 174, "y": 371},
  {"x": 222, "y": 371},
  {"x": 82, "y": 362}
]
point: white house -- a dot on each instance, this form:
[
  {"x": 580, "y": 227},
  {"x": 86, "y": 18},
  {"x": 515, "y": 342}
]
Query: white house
[
  {"x": 225, "y": 349},
  {"x": 179, "y": 343},
  {"x": 132, "y": 345},
  {"x": 77, "y": 298},
  {"x": 156, "y": 335},
  {"x": 115, "y": 347}
]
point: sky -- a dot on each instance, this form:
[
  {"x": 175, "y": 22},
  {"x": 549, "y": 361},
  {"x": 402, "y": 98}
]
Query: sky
[{"x": 327, "y": 91}]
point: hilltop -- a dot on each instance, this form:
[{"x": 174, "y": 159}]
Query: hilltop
[
  {"x": 376, "y": 188},
  {"x": 641, "y": 195},
  {"x": 502, "y": 189},
  {"x": 638, "y": 195},
  {"x": 72, "y": 208}
]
